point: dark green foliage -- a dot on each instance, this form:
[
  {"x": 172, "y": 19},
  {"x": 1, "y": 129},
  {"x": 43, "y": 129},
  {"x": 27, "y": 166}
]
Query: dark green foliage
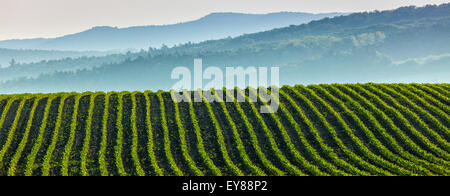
[{"x": 319, "y": 130}]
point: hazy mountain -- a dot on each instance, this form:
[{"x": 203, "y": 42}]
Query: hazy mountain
[
  {"x": 408, "y": 44},
  {"x": 213, "y": 26}
]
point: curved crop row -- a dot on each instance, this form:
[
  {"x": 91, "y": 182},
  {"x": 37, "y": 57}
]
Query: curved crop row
[
  {"x": 119, "y": 139},
  {"x": 68, "y": 147},
  {"x": 394, "y": 116},
  {"x": 6, "y": 109},
  {"x": 11, "y": 131},
  {"x": 255, "y": 144},
  {"x": 439, "y": 89},
  {"x": 445, "y": 86},
  {"x": 31, "y": 158},
  {"x": 355, "y": 103},
  {"x": 366, "y": 153},
  {"x": 201, "y": 148},
  {"x": 420, "y": 136},
  {"x": 48, "y": 155},
  {"x": 387, "y": 122},
  {"x": 441, "y": 98},
  {"x": 406, "y": 90},
  {"x": 219, "y": 134},
  {"x": 167, "y": 149},
  {"x": 23, "y": 142},
  {"x": 134, "y": 147},
  {"x": 373, "y": 141},
  {"x": 18, "y": 153},
  {"x": 350, "y": 154},
  {"x": 443, "y": 110},
  {"x": 425, "y": 118},
  {"x": 150, "y": 145},
  {"x": 103, "y": 142},
  {"x": 236, "y": 139},
  {"x": 183, "y": 143},
  {"x": 291, "y": 169},
  {"x": 327, "y": 150},
  {"x": 87, "y": 138},
  {"x": 330, "y": 168},
  {"x": 313, "y": 169},
  {"x": 318, "y": 130}
]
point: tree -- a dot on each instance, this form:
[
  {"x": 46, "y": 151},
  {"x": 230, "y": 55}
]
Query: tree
[{"x": 12, "y": 62}]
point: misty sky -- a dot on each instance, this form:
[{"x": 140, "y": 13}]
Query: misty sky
[{"x": 51, "y": 18}]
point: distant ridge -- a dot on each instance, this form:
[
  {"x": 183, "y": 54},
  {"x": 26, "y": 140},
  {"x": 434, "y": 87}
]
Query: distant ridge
[
  {"x": 408, "y": 45},
  {"x": 212, "y": 26}
]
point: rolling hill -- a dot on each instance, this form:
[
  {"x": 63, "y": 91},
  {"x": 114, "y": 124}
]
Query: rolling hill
[
  {"x": 318, "y": 130},
  {"x": 408, "y": 44},
  {"x": 212, "y": 26}
]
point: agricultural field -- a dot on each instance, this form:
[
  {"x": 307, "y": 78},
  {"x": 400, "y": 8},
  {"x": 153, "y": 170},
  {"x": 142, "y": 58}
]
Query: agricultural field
[{"x": 318, "y": 130}]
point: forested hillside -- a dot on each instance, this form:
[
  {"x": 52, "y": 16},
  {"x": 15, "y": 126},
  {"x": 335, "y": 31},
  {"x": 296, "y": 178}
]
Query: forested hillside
[
  {"x": 408, "y": 44},
  {"x": 18, "y": 70},
  {"x": 319, "y": 130},
  {"x": 7, "y": 56}
]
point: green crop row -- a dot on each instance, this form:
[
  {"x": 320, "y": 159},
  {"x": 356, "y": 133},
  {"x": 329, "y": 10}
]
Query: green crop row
[
  {"x": 373, "y": 141},
  {"x": 386, "y": 123},
  {"x": 363, "y": 163},
  {"x": 425, "y": 120},
  {"x": 428, "y": 107},
  {"x": 48, "y": 155},
  {"x": 23, "y": 142},
  {"x": 444, "y": 99},
  {"x": 235, "y": 170},
  {"x": 134, "y": 147},
  {"x": 201, "y": 148},
  {"x": 31, "y": 158},
  {"x": 11, "y": 131},
  {"x": 237, "y": 139},
  {"x": 391, "y": 115},
  {"x": 103, "y": 142},
  {"x": 313, "y": 169},
  {"x": 119, "y": 140},
  {"x": 253, "y": 138},
  {"x": 68, "y": 147},
  {"x": 290, "y": 169},
  {"x": 183, "y": 143},
  {"x": 327, "y": 150},
  {"x": 87, "y": 138},
  {"x": 398, "y": 153},
  {"x": 319, "y": 130},
  {"x": 167, "y": 148},
  {"x": 402, "y": 119},
  {"x": 312, "y": 152},
  {"x": 150, "y": 145}
]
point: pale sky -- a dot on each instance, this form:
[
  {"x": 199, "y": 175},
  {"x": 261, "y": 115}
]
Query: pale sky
[{"x": 51, "y": 18}]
